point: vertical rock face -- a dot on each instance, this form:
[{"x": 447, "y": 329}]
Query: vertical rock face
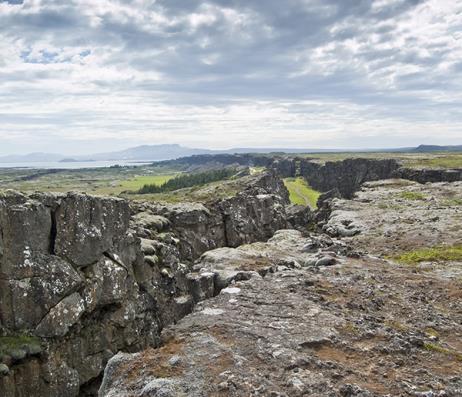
[
  {"x": 88, "y": 227},
  {"x": 253, "y": 214},
  {"x": 427, "y": 175},
  {"x": 284, "y": 167},
  {"x": 82, "y": 277},
  {"x": 347, "y": 175},
  {"x": 69, "y": 299}
]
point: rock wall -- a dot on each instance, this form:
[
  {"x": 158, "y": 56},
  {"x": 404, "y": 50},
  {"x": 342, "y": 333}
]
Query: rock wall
[
  {"x": 68, "y": 295},
  {"x": 84, "y": 277},
  {"x": 346, "y": 176},
  {"x": 254, "y": 214},
  {"x": 429, "y": 175}
]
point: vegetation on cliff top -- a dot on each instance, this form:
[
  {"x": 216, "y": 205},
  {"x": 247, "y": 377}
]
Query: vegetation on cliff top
[
  {"x": 140, "y": 181},
  {"x": 453, "y": 160},
  {"x": 443, "y": 160}
]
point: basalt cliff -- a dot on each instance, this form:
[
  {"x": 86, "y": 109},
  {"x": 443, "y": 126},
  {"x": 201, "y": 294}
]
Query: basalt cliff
[{"x": 84, "y": 277}]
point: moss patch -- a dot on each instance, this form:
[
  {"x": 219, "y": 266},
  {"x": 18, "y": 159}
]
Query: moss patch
[
  {"x": 412, "y": 196},
  {"x": 11, "y": 343},
  {"x": 456, "y": 202},
  {"x": 434, "y": 254},
  {"x": 301, "y": 193}
]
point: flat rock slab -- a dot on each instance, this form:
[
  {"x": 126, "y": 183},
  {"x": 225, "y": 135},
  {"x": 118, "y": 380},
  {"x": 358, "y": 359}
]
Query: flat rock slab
[
  {"x": 362, "y": 328},
  {"x": 390, "y": 216}
]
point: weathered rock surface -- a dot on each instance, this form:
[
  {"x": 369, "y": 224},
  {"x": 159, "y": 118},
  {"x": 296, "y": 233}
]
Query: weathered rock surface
[
  {"x": 87, "y": 276},
  {"x": 299, "y": 316},
  {"x": 331, "y": 331},
  {"x": 67, "y": 279},
  {"x": 346, "y": 176},
  {"x": 254, "y": 214},
  {"x": 390, "y": 216},
  {"x": 429, "y": 175}
]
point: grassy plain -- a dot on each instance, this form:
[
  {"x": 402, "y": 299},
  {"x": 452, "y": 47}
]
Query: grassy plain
[
  {"x": 115, "y": 180},
  {"x": 300, "y": 192},
  {"x": 413, "y": 160}
]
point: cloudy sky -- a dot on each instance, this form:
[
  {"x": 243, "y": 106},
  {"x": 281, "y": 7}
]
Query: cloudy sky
[{"x": 94, "y": 75}]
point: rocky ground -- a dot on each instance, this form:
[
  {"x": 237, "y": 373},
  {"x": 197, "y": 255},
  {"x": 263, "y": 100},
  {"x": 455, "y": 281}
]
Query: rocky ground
[
  {"x": 390, "y": 216},
  {"x": 83, "y": 277},
  {"x": 322, "y": 316}
]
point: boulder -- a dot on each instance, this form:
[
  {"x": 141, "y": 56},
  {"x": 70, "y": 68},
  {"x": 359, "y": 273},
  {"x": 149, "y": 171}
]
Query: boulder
[
  {"x": 87, "y": 227},
  {"x": 61, "y": 317}
]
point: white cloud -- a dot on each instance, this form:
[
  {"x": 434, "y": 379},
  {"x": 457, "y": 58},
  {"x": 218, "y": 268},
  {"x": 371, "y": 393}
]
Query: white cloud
[{"x": 220, "y": 74}]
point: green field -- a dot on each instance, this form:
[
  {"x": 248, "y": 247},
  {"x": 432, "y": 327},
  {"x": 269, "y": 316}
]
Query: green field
[
  {"x": 301, "y": 193},
  {"x": 439, "y": 160},
  {"x": 140, "y": 181},
  {"x": 102, "y": 181}
]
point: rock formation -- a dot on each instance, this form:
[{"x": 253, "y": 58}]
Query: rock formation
[
  {"x": 346, "y": 176},
  {"x": 312, "y": 316},
  {"x": 83, "y": 277}
]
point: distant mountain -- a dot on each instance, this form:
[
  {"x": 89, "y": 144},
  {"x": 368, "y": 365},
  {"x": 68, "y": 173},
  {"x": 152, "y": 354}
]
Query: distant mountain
[
  {"x": 31, "y": 158},
  {"x": 146, "y": 152},
  {"x": 437, "y": 148}
]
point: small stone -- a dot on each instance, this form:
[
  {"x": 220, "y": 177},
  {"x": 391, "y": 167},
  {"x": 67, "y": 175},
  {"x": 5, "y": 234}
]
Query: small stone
[
  {"x": 231, "y": 290},
  {"x": 166, "y": 273},
  {"x": 18, "y": 354},
  {"x": 223, "y": 386},
  {"x": 326, "y": 261},
  {"x": 4, "y": 370},
  {"x": 174, "y": 361},
  {"x": 309, "y": 263},
  {"x": 152, "y": 260}
]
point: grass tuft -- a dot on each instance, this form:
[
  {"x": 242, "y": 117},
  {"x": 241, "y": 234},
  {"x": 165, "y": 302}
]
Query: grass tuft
[
  {"x": 456, "y": 202},
  {"x": 434, "y": 254},
  {"x": 433, "y": 347},
  {"x": 412, "y": 196}
]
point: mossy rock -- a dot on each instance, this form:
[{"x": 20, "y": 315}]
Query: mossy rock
[{"x": 19, "y": 347}]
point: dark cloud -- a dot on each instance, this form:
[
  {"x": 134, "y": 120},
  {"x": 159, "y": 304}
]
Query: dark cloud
[{"x": 222, "y": 53}]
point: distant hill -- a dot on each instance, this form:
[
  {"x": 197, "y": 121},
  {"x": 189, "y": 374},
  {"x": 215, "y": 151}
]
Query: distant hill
[
  {"x": 31, "y": 158},
  {"x": 437, "y": 148},
  {"x": 147, "y": 152}
]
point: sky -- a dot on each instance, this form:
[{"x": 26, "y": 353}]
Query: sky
[{"x": 84, "y": 76}]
